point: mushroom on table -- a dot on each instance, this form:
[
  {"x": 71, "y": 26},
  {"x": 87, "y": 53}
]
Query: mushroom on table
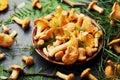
[
  {"x": 64, "y": 76},
  {"x": 93, "y": 5},
  {"x": 115, "y": 44},
  {"x": 7, "y": 40},
  {"x": 25, "y": 22},
  {"x": 3, "y": 4},
  {"x": 16, "y": 69}
]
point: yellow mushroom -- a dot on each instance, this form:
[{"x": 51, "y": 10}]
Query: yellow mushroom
[
  {"x": 3, "y": 4},
  {"x": 28, "y": 60},
  {"x": 2, "y": 56},
  {"x": 115, "y": 14},
  {"x": 97, "y": 36},
  {"x": 70, "y": 56},
  {"x": 115, "y": 44},
  {"x": 7, "y": 40},
  {"x": 16, "y": 69},
  {"x": 36, "y": 3},
  {"x": 59, "y": 55},
  {"x": 93, "y": 6},
  {"x": 25, "y": 22},
  {"x": 82, "y": 54},
  {"x": 88, "y": 26},
  {"x": 64, "y": 76},
  {"x": 41, "y": 25},
  {"x": 5, "y": 29},
  {"x": 90, "y": 51},
  {"x": 86, "y": 73}
]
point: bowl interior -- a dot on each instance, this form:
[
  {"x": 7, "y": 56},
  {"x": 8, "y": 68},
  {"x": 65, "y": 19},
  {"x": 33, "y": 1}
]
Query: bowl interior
[{"x": 40, "y": 52}]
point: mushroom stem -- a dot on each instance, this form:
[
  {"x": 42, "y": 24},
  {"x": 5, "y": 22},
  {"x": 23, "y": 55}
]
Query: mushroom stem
[
  {"x": 58, "y": 48},
  {"x": 5, "y": 29},
  {"x": 86, "y": 73},
  {"x": 117, "y": 48},
  {"x": 14, "y": 75},
  {"x": 24, "y": 22},
  {"x": 72, "y": 4},
  {"x": 13, "y": 34},
  {"x": 38, "y": 5},
  {"x": 98, "y": 9},
  {"x": 2, "y": 56},
  {"x": 16, "y": 19},
  {"x": 64, "y": 76}
]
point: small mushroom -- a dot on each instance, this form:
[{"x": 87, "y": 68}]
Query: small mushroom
[
  {"x": 70, "y": 56},
  {"x": 80, "y": 20},
  {"x": 15, "y": 73},
  {"x": 90, "y": 51},
  {"x": 82, "y": 54},
  {"x": 3, "y": 4},
  {"x": 5, "y": 29},
  {"x": 93, "y": 6},
  {"x": 115, "y": 13},
  {"x": 40, "y": 42},
  {"x": 2, "y": 56},
  {"x": 25, "y": 23},
  {"x": 109, "y": 69},
  {"x": 64, "y": 76},
  {"x": 59, "y": 55},
  {"x": 97, "y": 36},
  {"x": 7, "y": 40},
  {"x": 40, "y": 24},
  {"x": 13, "y": 34},
  {"x": 89, "y": 40},
  {"x": 88, "y": 26},
  {"x": 86, "y": 73},
  {"x": 115, "y": 44},
  {"x": 36, "y": 3},
  {"x": 28, "y": 60}
]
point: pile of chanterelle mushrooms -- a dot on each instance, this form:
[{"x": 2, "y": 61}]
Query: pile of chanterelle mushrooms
[{"x": 76, "y": 37}]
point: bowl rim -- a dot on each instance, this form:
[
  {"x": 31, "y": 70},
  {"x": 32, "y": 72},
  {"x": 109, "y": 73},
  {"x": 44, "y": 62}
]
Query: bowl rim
[{"x": 41, "y": 53}]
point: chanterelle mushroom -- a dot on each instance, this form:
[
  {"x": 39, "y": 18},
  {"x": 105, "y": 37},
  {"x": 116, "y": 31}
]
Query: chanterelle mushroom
[
  {"x": 115, "y": 14},
  {"x": 5, "y": 29},
  {"x": 115, "y": 44},
  {"x": 64, "y": 76},
  {"x": 86, "y": 73},
  {"x": 3, "y": 4},
  {"x": 25, "y": 23},
  {"x": 2, "y": 56},
  {"x": 15, "y": 73},
  {"x": 28, "y": 60},
  {"x": 93, "y": 5},
  {"x": 36, "y": 3}
]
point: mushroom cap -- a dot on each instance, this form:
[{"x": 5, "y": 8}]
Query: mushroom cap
[
  {"x": 5, "y": 40},
  {"x": 26, "y": 22},
  {"x": 41, "y": 23},
  {"x": 70, "y": 76},
  {"x": 89, "y": 40},
  {"x": 109, "y": 72},
  {"x": 85, "y": 73},
  {"x": 34, "y": 2},
  {"x": 92, "y": 4},
  {"x": 3, "y": 4},
  {"x": 17, "y": 67},
  {"x": 115, "y": 41},
  {"x": 30, "y": 60},
  {"x": 115, "y": 11}
]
